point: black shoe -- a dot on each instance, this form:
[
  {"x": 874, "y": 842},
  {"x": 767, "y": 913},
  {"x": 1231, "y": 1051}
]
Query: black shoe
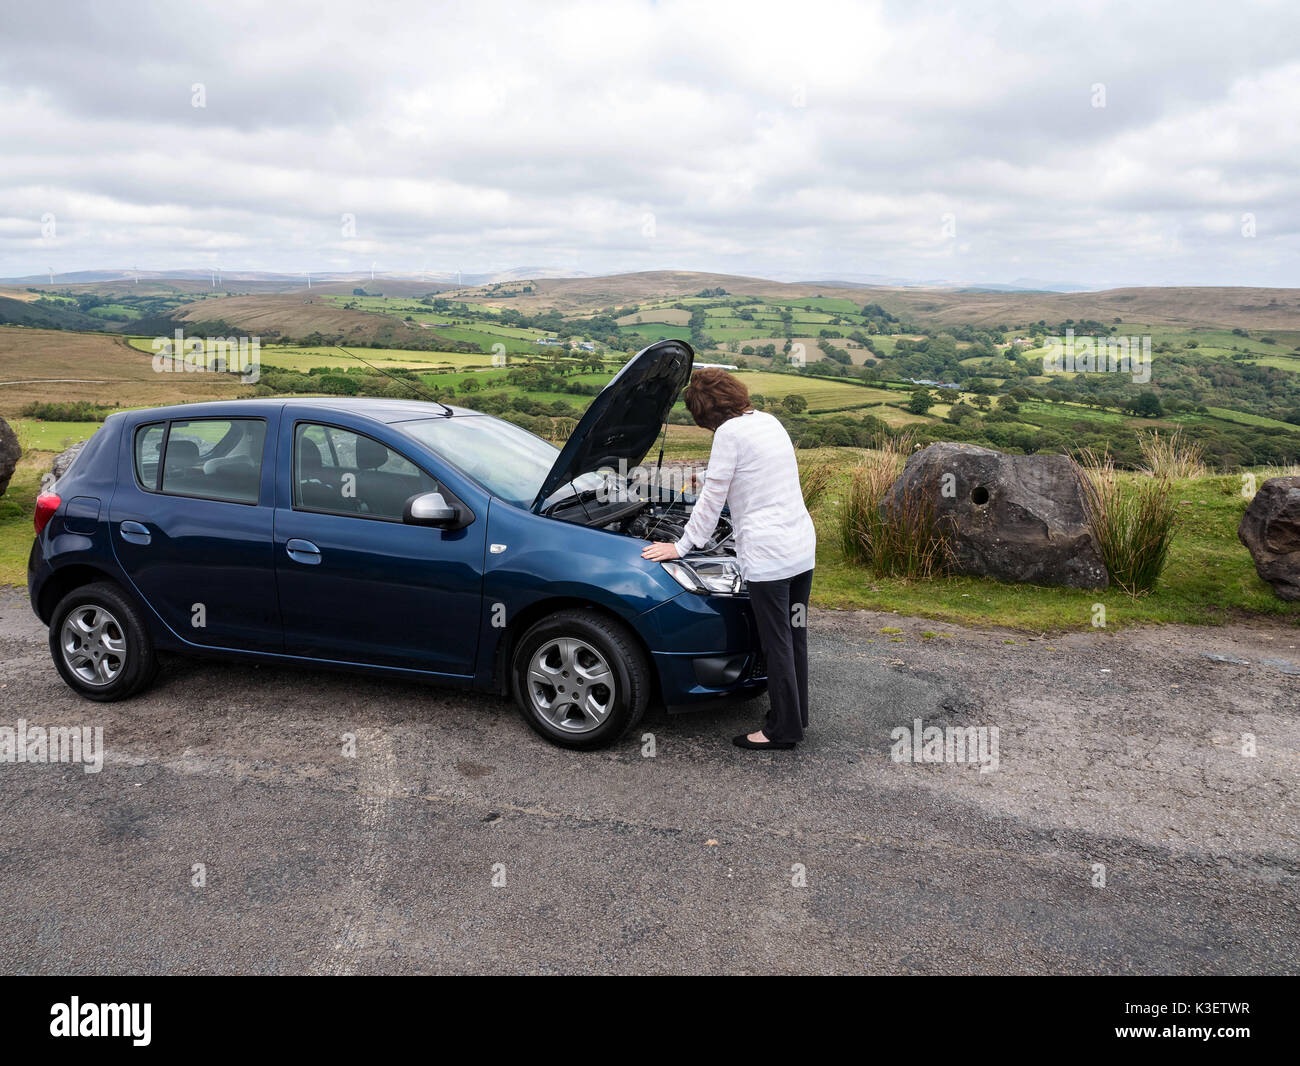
[{"x": 743, "y": 741}]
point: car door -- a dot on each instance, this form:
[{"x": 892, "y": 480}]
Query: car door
[
  {"x": 191, "y": 521},
  {"x": 356, "y": 583}
]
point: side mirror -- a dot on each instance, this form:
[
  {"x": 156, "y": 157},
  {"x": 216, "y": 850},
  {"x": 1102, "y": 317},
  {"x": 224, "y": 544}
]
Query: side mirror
[{"x": 429, "y": 509}]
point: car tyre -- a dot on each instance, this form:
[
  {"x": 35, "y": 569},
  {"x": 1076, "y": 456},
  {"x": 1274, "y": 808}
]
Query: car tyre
[
  {"x": 100, "y": 644},
  {"x": 581, "y": 679}
]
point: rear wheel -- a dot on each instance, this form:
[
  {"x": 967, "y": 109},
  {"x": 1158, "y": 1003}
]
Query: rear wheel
[
  {"x": 581, "y": 679},
  {"x": 100, "y": 645}
]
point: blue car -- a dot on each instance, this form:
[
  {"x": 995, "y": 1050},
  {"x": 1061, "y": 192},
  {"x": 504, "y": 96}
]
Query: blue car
[{"x": 404, "y": 538}]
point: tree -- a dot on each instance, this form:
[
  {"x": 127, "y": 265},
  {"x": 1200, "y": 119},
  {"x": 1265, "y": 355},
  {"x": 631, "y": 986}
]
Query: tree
[
  {"x": 1147, "y": 405},
  {"x": 920, "y": 402},
  {"x": 795, "y": 404}
]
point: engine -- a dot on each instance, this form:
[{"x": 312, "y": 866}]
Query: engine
[{"x": 668, "y": 522}]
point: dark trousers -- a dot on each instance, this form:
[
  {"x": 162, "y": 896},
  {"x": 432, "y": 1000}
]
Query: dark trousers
[{"x": 781, "y": 610}]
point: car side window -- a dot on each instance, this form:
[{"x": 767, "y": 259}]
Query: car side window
[
  {"x": 148, "y": 454},
  {"x": 215, "y": 459},
  {"x": 341, "y": 472}
]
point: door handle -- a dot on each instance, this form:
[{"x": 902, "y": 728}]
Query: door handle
[
  {"x": 135, "y": 533},
  {"x": 303, "y": 551}
]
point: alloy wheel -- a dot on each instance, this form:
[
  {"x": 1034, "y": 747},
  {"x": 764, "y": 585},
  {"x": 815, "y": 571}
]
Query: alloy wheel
[
  {"x": 570, "y": 685},
  {"x": 93, "y": 644}
]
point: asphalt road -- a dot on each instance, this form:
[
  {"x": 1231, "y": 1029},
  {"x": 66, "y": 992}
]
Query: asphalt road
[{"x": 1117, "y": 750}]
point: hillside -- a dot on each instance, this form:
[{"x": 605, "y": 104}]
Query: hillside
[
  {"x": 1246, "y": 308},
  {"x": 38, "y": 365},
  {"x": 572, "y": 294},
  {"x": 1231, "y": 307},
  {"x": 298, "y": 315},
  {"x": 29, "y": 310}
]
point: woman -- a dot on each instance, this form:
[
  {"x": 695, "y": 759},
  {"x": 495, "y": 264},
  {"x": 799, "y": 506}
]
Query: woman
[{"x": 752, "y": 468}]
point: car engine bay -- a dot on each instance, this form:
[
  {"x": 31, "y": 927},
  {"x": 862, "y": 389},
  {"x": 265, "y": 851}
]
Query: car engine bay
[
  {"x": 668, "y": 522},
  {"x": 643, "y": 519}
]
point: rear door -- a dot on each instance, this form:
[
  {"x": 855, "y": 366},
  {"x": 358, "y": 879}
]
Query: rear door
[
  {"x": 356, "y": 583},
  {"x": 191, "y": 524}
]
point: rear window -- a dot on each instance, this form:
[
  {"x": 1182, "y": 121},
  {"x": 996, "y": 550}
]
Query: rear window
[
  {"x": 148, "y": 454},
  {"x": 207, "y": 458}
]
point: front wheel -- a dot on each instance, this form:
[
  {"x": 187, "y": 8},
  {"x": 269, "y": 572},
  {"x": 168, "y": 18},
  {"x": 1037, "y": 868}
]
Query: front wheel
[
  {"x": 581, "y": 679},
  {"x": 100, "y": 645}
]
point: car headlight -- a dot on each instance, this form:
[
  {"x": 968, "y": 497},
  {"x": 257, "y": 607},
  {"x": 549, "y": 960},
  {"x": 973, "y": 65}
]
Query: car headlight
[{"x": 717, "y": 577}]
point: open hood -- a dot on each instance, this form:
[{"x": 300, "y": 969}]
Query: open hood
[{"x": 626, "y": 417}]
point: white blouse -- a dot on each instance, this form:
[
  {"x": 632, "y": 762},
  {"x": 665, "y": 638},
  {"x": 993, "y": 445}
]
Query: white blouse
[{"x": 752, "y": 468}]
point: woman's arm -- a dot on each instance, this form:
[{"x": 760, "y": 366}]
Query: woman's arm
[{"x": 709, "y": 503}]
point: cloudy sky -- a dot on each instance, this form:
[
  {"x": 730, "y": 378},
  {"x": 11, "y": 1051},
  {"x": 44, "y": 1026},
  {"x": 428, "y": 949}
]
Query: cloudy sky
[{"x": 1100, "y": 144}]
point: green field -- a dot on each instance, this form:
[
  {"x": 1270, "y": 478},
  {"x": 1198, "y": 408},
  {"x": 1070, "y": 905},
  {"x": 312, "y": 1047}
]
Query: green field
[
  {"x": 1246, "y": 419},
  {"x": 300, "y": 358},
  {"x": 34, "y": 435},
  {"x": 821, "y": 394},
  {"x": 657, "y": 331}
]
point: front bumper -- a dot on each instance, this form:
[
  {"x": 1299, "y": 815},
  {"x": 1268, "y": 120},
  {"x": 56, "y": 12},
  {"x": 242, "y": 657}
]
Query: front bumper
[{"x": 704, "y": 647}]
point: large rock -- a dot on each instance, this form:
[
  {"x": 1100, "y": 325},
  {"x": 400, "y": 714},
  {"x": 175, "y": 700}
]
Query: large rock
[
  {"x": 10, "y": 453},
  {"x": 1010, "y": 517},
  {"x": 64, "y": 460},
  {"x": 1270, "y": 528}
]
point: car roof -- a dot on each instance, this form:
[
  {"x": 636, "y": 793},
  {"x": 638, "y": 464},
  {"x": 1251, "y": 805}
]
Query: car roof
[{"x": 380, "y": 410}]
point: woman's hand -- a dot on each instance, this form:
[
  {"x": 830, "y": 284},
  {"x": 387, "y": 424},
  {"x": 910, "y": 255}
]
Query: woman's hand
[{"x": 660, "y": 551}]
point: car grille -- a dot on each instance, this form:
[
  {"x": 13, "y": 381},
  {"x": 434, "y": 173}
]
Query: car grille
[{"x": 757, "y": 666}]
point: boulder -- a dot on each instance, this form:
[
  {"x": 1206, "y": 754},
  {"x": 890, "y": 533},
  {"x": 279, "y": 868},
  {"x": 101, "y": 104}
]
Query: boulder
[
  {"x": 1010, "y": 517},
  {"x": 10, "y": 453},
  {"x": 64, "y": 460},
  {"x": 1270, "y": 528}
]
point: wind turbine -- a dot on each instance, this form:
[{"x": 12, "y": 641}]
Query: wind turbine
[{"x": 51, "y": 275}]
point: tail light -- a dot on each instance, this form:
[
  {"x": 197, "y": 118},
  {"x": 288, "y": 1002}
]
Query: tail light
[{"x": 46, "y": 504}]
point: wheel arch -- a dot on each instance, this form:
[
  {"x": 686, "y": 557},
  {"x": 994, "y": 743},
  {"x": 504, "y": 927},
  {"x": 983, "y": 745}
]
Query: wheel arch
[
  {"x": 67, "y": 578},
  {"x": 534, "y": 613}
]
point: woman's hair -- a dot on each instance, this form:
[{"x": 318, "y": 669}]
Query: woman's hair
[{"x": 713, "y": 396}]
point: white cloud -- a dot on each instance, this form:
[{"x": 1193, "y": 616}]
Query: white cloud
[{"x": 818, "y": 139}]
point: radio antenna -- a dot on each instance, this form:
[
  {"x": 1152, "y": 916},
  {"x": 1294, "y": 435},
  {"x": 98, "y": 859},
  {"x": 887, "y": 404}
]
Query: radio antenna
[{"x": 415, "y": 387}]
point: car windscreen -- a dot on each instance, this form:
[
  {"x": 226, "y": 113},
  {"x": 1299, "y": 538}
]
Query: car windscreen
[{"x": 509, "y": 462}]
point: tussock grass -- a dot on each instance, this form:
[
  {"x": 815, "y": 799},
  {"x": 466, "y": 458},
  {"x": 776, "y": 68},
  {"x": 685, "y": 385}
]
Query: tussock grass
[
  {"x": 1132, "y": 519},
  {"x": 1171, "y": 456},
  {"x": 899, "y": 536},
  {"x": 815, "y": 478},
  {"x": 1278, "y": 471}
]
